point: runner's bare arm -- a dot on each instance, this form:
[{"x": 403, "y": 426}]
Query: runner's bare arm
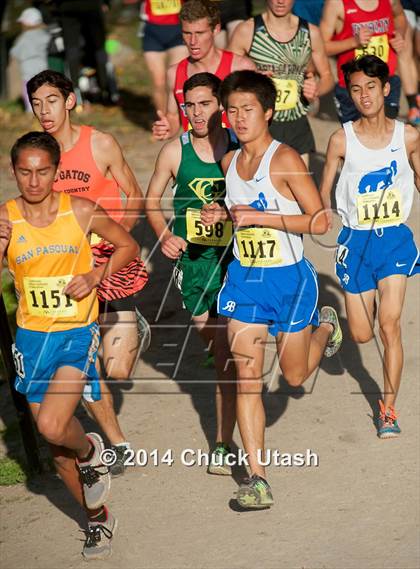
[
  {"x": 332, "y": 23},
  {"x": 322, "y": 65},
  {"x": 287, "y": 169},
  {"x": 240, "y": 62},
  {"x": 168, "y": 122},
  {"x": 92, "y": 218},
  {"x": 214, "y": 212},
  {"x": 400, "y": 25},
  {"x": 335, "y": 153},
  {"x": 241, "y": 40},
  {"x": 166, "y": 168},
  {"x": 412, "y": 144},
  {"x": 5, "y": 234},
  {"x": 107, "y": 153}
]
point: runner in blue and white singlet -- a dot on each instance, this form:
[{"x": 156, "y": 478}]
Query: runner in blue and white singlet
[
  {"x": 270, "y": 287},
  {"x": 375, "y": 250}
]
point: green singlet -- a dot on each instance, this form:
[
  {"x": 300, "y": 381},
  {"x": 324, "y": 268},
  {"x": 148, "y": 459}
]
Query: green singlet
[
  {"x": 201, "y": 270},
  {"x": 198, "y": 183}
]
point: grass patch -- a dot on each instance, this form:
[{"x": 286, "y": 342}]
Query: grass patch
[
  {"x": 13, "y": 468},
  {"x": 11, "y": 472}
]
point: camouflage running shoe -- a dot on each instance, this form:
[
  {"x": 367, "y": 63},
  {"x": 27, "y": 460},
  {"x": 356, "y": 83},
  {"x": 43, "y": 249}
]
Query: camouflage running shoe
[
  {"x": 254, "y": 493},
  {"x": 218, "y": 463},
  {"x": 329, "y": 315}
]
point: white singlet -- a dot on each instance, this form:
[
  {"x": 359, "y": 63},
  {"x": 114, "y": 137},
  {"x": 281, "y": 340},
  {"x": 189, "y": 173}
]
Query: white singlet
[
  {"x": 376, "y": 187},
  {"x": 261, "y": 246}
]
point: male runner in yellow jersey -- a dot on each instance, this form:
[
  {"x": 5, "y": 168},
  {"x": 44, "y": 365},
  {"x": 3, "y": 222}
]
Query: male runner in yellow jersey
[
  {"x": 44, "y": 235},
  {"x": 93, "y": 167}
]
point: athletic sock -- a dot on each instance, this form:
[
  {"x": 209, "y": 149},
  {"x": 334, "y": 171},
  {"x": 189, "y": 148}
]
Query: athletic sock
[
  {"x": 123, "y": 444},
  {"x": 412, "y": 102},
  {"x": 102, "y": 516}
]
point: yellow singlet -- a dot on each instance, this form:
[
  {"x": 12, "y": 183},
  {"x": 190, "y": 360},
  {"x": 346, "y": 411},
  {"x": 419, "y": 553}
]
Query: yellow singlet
[{"x": 42, "y": 261}]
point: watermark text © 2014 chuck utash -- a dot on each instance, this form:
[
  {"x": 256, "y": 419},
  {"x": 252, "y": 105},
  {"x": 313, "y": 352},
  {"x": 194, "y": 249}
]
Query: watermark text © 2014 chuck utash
[{"x": 197, "y": 457}]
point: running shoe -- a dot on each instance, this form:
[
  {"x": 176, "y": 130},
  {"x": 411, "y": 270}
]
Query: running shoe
[
  {"x": 99, "y": 537},
  {"x": 413, "y": 116},
  {"x": 118, "y": 468},
  {"x": 329, "y": 315},
  {"x": 388, "y": 427},
  {"x": 254, "y": 493},
  {"x": 218, "y": 463},
  {"x": 94, "y": 475}
]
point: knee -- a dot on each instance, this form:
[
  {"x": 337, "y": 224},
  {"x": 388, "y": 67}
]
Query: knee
[
  {"x": 159, "y": 82},
  {"x": 295, "y": 378},
  {"x": 361, "y": 336},
  {"x": 248, "y": 380},
  {"x": 120, "y": 372},
  {"x": 51, "y": 428},
  {"x": 390, "y": 331}
]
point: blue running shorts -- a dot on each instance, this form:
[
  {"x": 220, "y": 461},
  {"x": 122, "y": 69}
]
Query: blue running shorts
[
  {"x": 283, "y": 298},
  {"x": 38, "y": 355},
  {"x": 364, "y": 257}
]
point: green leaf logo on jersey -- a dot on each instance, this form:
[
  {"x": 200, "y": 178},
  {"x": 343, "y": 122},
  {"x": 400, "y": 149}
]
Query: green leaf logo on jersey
[{"x": 208, "y": 189}]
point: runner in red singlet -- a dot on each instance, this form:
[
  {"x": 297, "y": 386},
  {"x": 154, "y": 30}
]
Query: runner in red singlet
[
  {"x": 352, "y": 28},
  {"x": 200, "y": 22},
  {"x": 181, "y": 75},
  {"x": 93, "y": 167}
]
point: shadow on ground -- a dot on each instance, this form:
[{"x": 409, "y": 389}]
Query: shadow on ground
[{"x": 138, "y": 109}]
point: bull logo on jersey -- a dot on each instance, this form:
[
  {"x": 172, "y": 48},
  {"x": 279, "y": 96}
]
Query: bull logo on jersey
[
  {"x": 261, "y": 203},
  {"x": 378, "y": 179},
  {"x": 208, "y": 189}
]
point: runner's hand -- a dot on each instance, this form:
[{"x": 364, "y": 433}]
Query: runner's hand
[
  {"x": 328, "y": 213},
  {"x": 310, "y": 87},
  {"x": 173, "y": 246},
  {"x": 244, "y": 215},
  {"x": 397, "y": 42},
  {"x": 161, "y": 128},
  {"x": 5, "y": 234},
  {"x": 81, "y": 286},
  {"x": 363, "y": 36},
  {"x": 267, "y": 73},
  {"x": 211, "y": 213}
]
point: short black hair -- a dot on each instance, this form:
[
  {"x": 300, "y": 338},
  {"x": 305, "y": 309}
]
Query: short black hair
[
  {"x": 203, "y": 80},
  {"x": 41, "y": 140},
  {"x": 247, "y": 81},
  {"x": 370, "y": 65},
  {"x": 49, "y": 77}
]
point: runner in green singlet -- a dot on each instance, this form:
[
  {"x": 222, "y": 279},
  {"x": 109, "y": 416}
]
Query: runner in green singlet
[
  {"x": 201, "y": 253},
  {"x": 291, "y": 52}
]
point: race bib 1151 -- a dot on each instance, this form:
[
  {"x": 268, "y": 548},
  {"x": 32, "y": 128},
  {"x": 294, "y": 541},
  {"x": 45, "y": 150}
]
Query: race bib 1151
[{"x": 44, "y": 297}]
